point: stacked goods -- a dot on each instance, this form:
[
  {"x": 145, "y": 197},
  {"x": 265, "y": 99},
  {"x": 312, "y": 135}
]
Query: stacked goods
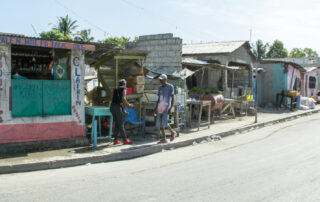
[{"x": 136, "y": 83}]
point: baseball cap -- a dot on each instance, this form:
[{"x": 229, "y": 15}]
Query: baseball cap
[
  {"x": 122, "y": 82},
  {"x": 163, "y": 77}
]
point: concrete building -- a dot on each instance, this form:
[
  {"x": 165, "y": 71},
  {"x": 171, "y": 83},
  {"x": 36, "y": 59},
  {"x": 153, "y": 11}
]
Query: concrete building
[
  {"x": 312, "y": 68},
  {"x": 41, "y": 93},
  {"x": 228, "y": 54},
  {"x": 278, "y": 76}
]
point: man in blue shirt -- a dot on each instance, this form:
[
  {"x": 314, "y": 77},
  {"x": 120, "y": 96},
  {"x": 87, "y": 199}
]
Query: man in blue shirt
[{"x": 164, "y": 108}]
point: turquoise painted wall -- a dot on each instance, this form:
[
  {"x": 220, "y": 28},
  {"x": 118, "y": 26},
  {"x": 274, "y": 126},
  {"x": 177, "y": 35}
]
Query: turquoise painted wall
[{"x": 280, "y": 80}]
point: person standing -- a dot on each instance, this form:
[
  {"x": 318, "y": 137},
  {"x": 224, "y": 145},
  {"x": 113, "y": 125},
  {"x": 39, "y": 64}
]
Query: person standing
[
  {"x": 118, "y": 112},
  {"x": 164, "y": 108}
]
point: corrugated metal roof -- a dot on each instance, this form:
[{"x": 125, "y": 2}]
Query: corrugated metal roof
[
  {"x": 304, "y": 62},
  {"x": 282, "y": 60},
  {"x": 203, "y": 63},
  {"x": 194, "y": 61},
  {"x": 215, "y": 47}
]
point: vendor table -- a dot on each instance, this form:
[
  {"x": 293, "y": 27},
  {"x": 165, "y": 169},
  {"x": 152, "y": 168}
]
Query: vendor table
[
  {"x": 230, "y": 103},
  {"x": 99, "y": 111},
  {"x": 202, "y": 104},
  {"x": 293, "y": 100}
]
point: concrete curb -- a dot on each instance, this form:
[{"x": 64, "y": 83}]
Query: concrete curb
[{"x": 139, "y": 151}]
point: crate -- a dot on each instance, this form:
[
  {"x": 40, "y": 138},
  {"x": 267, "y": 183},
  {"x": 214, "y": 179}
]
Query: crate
[
  {"x": 136, "y": 80},
  {"x": 138, "y": 88}
]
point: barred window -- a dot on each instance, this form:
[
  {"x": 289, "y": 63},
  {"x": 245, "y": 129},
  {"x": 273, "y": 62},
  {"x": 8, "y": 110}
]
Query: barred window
[{"x": 312, "y": 82}]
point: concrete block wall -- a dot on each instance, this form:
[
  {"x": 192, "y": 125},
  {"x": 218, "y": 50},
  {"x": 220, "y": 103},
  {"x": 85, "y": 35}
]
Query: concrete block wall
[
  {"x": 241, "y": 78},
  {"x": 165, "y": 52}
]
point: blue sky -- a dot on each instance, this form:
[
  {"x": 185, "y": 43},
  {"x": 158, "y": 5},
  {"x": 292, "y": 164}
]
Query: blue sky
[{"x": 295, "y": 22}]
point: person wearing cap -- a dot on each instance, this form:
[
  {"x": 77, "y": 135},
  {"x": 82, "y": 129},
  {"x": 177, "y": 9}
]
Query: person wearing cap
[
  {"x": 118, "y": 112},
  {"x": 164, "y": 108}
]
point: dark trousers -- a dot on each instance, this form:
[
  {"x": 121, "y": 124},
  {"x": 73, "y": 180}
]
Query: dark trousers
[{"x": 119, "y": 118}]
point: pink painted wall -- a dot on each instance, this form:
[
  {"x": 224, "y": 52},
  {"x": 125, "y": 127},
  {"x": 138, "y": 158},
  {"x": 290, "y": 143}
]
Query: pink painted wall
[
  {"x": 290, "y": 72},
  {"x": 309, "y": 92},
  {"x": 14, "y": 133}
]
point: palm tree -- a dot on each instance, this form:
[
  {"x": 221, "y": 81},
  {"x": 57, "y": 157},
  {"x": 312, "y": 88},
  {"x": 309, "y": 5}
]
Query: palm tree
[
  {"x": 84, "y": 36},
  {"x": 66, "y": 25}
]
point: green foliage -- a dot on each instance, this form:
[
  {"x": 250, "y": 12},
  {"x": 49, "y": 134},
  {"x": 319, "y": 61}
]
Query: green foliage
[
  {"x": 260, "y": 49},
  {"x": 196, "y": 90},
  {"x": 119, "y": 41},
  {"x": 300, "y": 53},
  {"x": 297, "y": 53},
  {"x": 277, "y": 50},
  {"x": 65, "y": 25},
  {"x": 310, "y": 53},
  {"x": 84, "y": 36},
  {"x": 54, "y": 35}
]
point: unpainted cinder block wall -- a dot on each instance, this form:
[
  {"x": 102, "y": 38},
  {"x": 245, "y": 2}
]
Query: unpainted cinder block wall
[{"x": 165, "y": 52}]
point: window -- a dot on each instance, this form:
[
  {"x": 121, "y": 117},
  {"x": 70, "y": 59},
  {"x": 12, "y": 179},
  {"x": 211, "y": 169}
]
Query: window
[{"x": 312, "y": 82}]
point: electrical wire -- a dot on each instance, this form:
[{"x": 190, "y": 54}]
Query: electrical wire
[
  {"x": 161, "y": 18},
  {"x": 84, "y": 19}
]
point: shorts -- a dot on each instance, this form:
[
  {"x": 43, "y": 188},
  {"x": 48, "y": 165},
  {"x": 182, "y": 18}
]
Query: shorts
[{"x": 162, "y": 120}]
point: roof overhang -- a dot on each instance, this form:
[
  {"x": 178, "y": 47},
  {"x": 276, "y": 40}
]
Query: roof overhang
[{"x": 43, "y": 43}]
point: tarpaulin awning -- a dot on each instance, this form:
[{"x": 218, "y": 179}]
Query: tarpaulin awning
[{"x": 183, "y": 74}]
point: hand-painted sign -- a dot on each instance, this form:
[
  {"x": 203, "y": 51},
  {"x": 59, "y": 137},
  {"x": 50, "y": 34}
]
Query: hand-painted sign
[
  {"x": 44, "y": 43},
  {"x": 77, "y": 76}
]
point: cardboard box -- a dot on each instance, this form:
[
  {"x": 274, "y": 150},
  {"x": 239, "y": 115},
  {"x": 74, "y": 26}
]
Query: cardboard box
[
  {"x": 136, "y": 80},
  {"x": 138, "y": 88}
]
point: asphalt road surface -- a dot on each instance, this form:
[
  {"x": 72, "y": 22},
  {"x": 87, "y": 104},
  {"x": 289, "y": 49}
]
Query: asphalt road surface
[{"x": 276, "y": 163}]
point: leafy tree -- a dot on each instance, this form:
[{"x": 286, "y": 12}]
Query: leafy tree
[
  {"x": 66, "y": 26},
  {"x": 310, "y": 53},
  {"x": 297, "y": 53},
  {"x": 54, "y": 35},
  {"x": 260, "y": 49},
  {"x": 277, "y": 50},
  {"x": 120, "y": 41},
  {"x": 84, "y": 36}
]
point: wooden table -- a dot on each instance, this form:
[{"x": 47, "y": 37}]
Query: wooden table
[
  {"x": 230, "y": 103},
  {"x": 293, "y": 100},
  {"x": 201, "y": 104},
  {"x": 99, "y": 111}
]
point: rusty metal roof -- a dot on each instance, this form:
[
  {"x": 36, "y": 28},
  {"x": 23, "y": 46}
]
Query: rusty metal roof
[{"x": 209, "y": 48}]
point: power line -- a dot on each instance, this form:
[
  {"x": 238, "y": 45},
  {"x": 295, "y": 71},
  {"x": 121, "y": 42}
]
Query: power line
[
  {"x": 159, "y": 17},
  {"x": 84, "y": 19}
]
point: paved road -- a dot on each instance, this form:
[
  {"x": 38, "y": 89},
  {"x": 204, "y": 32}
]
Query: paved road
[{"x": 277, "y": 163}]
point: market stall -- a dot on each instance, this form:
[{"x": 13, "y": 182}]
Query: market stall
[
  {"x": 42, "y": 90},
  {"x": 111, "y": 66}
]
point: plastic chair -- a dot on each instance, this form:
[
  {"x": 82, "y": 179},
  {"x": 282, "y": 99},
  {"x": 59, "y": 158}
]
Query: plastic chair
[{"x": 133, "y": 119}]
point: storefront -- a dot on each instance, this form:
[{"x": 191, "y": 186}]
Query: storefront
[{"x": 41, "y": 90}]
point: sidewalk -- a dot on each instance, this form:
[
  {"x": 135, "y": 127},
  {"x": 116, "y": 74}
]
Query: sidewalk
[{"x": 107, "y": 152}]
